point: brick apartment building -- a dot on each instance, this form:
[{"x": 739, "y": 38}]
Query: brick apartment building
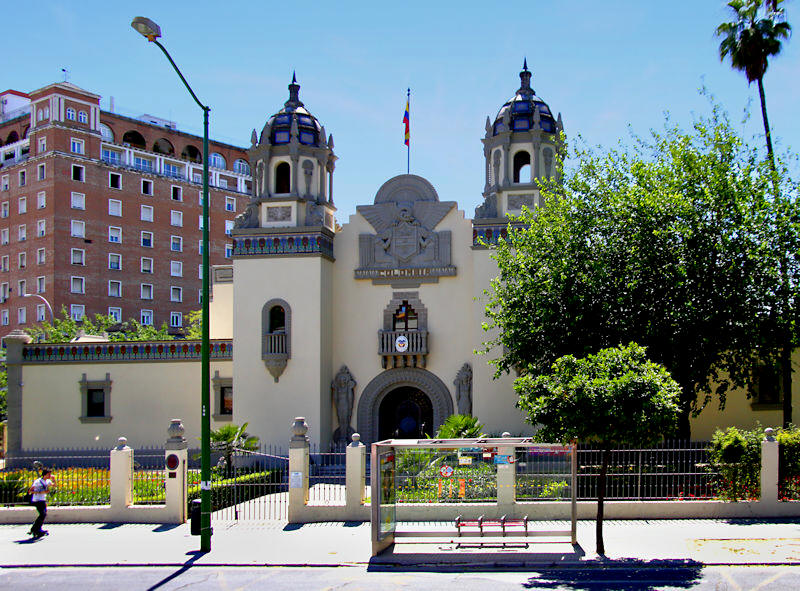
[{"x": 102, "y": 213}]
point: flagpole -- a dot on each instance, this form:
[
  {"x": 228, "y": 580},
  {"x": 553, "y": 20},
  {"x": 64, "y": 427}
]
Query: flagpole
[{"x": 408, "y": 146}]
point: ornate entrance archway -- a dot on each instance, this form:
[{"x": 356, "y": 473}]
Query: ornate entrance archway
[{"x": 397, "y": 388}]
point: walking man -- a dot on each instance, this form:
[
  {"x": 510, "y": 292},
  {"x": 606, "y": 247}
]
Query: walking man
[{"x": 38, "y": 491}]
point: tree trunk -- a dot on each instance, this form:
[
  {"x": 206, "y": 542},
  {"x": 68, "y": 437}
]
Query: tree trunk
[
  {"x": 601, "y": 494},
  {"x": 786, "y": 352}
]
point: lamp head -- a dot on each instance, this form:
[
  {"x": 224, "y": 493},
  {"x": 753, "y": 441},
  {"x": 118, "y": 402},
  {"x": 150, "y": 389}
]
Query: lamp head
[{"x": 146, "y": 27}]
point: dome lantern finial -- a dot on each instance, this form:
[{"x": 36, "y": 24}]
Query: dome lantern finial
[
  {"x": 294, "y": 93},
  {"x": 525, "y": 78}
]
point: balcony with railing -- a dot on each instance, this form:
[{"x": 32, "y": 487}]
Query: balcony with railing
[
  {"x": 275, "y": 343},
  {"x": 403, "y": 348}
]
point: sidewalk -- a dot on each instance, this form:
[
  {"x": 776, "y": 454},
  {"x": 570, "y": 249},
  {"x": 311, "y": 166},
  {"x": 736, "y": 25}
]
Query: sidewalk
[{"x": 339, "y": 544}]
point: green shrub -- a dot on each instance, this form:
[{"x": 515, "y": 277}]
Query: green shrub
[
  {"x": 460, "y": 427},
  {"x": 736, "y": 457}
]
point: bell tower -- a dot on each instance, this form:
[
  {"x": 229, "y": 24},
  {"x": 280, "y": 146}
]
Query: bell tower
[
  {"x": 292, "y": 162},
  {"x": 519, "y": 147}
]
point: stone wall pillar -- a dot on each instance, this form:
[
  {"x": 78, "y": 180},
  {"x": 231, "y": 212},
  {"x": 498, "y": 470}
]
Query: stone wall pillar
[
  {"x": 15, "y": 341},
  {"x": 355, "y": 478},
  {"x": 770, "y": 460},
  {"x": 298, "y": 470},
  {"x": 121, "y": 476},
  {"x": 176, "y": 464}
]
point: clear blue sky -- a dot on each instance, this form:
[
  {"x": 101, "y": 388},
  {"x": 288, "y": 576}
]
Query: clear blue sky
[{"x": 602, "y": 64}]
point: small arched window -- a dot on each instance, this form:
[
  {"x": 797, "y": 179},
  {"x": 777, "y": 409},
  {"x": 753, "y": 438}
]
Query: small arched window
[
  {"x": 70, "y": 114},
  {"x": 283, "y": 182},
  {"x": 276, "y": 326},
  {"x": 39, "y": 115},
  {"x": 216, "y": 160},
  {"x": 106, "y": 133},
  {"x": 12, "y": 137},
  {"x": 241, "y": 166},
  {"x": 191, "y": 153},
  {"x": 522, "y": 167},
  {"x": 277, "y": 320},
  {"x": 135, "y": 139},
  {"x": 82, "y": 117},
  {"x": 163, "y": 146},
  {"x": 405, "y": 317}
]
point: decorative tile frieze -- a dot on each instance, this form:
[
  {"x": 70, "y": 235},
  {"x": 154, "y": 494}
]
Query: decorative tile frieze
[
  {"x": 283, "y": 244},
  {"x": 125, "y": 351}
]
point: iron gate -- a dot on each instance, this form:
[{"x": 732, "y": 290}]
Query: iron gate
[{"x": 251, "y": 485}]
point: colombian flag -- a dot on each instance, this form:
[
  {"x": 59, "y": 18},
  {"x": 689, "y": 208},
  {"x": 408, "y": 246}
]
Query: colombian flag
[{"x": 407, "y": 121}]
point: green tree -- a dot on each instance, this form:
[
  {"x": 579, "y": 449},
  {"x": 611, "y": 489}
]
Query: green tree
[
  {"x": 670, "y": 243},
  {"x": 616, "y": 397},
  {"x": 754, "y": 36},
  {"x": 228, "y": 438},
  {"x": 64, "y": 329}
]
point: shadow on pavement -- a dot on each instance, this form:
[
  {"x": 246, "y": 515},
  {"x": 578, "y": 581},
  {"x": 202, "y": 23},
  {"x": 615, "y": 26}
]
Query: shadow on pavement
[
  {"x": 111, "y": 525},
  {"x": 195, "y": 554},
  {"x": 166, "y": 527},
  {"x": 621, "y": 575}
]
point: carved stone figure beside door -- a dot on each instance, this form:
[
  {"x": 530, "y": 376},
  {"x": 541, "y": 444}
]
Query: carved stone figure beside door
[
  {"x": 342, "y": 392},
  {"x": 463, "y": 384}
]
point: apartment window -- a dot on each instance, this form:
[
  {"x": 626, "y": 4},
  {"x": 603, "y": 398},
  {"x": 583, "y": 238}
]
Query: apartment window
[
  {"x": 177, "y": 193},
  {"x": 142, "y": 164},
  {"x": 228, "y": 251},
  {"x": 22, "y": 259},
  {"x": 116, "y": 314},
  {"x": 146, "y": 265},
  {"x": 200, "y": 246},
  {"x": 77, "y": 256},
  {"x": 172, "y": 170},
  {"x": 40, "y": 284},
  {"x": 200, "y": 271},
  {"x": 70, "y": 114},
  {"x": 77, "y": 311},
  {"x": 41, "y": 227},
  {"x": 115, "y": 289},
  {"x": 78, "y": 173},
  {"x": 4, "y": 291},
  {"x": 4, "y": 209},
  {"x": 147, "y": 239},
  {"x": 77, "y": 229},
  {"x": 146, "y": 317},
  {"x": 40, "y": 256},
  {"x": 176, "y": 243},
  {"x": 176, "y": 269},
  {"x": 21, "y": 178},
  {"x": 175, "y": 319},
  {"x": 41, "y": 200},
  {"x": 114, "y": 261},
  {"x": 200, "y": 296},
  {"x": 230, "y": 203},
  {"x": 21, "y": 315},
  {"x": 114, "y": 234},
  {"x": 4, "y": 183},
  {"x": 22, "y": 205},
  {"x": 41, "y": 172},
  {"x": 175, "y": 294},
  {"x": 146, "y": 214},
  {"x": 22, "y": 233},
  {"x": 115, "y": 207},
  {"x": 176, "y": 218},
  {"x": 228, "y": 227},
  {"x": 76, "y": 147},
  {"x": 22, "y": 287},
  {"x": 4, "y": 317},
  {"x": 40, "y": 313},
  {"x": 200, "y": 222},
  {"x": 146, "y": 291},
  {"x": 77, "y": 201},
  {"x": 42, "y": 145},
  {"x": 77, "y": 285},
  {"x": 114, "y": 180},
  {"x": 82, "y": 117},
  {"x": 198, "y": 178},
  {"x": 222, "y": 183},
  {"x": 4, "y": 263},
  {"x": 147, "y": 187},
  {"x": 241, "y": 166},
  {"x": 4, "y": 236}
]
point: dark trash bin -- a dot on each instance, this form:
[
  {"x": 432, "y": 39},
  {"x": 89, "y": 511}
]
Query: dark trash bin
[{"x": 194, "y": 517}]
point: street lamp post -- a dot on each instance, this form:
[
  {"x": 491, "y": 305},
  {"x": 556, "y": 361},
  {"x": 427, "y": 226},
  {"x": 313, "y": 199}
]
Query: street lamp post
[
  {"x": 46, "y": 303},
  {"x": 152, "y": 31}
]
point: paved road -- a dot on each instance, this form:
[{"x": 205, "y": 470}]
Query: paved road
[{"x": 729, "y": 578}]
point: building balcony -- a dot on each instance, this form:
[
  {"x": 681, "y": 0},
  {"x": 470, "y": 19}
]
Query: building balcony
[
  {"x": 275, "y": 344},
  {"x": 403, "y": 348}
]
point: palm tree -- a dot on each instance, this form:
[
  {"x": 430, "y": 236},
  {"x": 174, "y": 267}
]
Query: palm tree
[
  {"x": 750, "y": 40},
  {"x": 228, "y": 439}
]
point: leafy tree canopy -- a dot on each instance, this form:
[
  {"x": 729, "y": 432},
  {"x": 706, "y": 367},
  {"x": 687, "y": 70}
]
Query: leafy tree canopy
[{"x": 675, "y": 242}]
